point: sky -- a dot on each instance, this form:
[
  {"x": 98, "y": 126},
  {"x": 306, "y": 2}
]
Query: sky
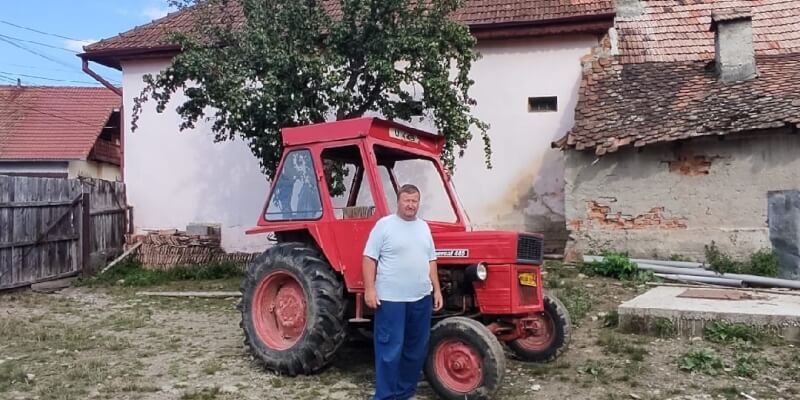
[{"x": 49, "y": 56}]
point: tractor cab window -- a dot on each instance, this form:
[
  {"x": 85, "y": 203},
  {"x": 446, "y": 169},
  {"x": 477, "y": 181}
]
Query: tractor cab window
[
  {"x": 348, "y": 185},
  {"x": 397, "y": 168},
  {"x": 296, "y": 194}
]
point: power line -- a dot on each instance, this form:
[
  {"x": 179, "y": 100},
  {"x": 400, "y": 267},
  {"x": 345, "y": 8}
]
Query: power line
[
  {"x": 46, "y": 78},
  {"x": 40, "y": 44},
  {"x": 35, "y": 52},
  {"x": 50, "y": 71},
  {"x": 38, "y": 31}
]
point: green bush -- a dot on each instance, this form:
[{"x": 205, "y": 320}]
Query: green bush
[{"x": 613, "y": 265}]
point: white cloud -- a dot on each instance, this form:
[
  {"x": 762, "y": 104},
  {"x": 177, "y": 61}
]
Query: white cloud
[
  {"x": 77, "y": 45},
  {"x": 155, "y": 12}
]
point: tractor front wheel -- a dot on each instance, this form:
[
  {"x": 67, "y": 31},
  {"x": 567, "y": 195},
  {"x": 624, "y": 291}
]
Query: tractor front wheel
[
  {"x": 465, "y": 360},
  {"x": 554, "y": 333},
  {"x": 292, "y": 310}
]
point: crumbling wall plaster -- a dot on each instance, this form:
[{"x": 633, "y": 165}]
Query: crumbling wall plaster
[{"x": 675, "y": 198}]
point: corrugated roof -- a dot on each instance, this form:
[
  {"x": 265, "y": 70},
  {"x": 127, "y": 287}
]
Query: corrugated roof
[{"x": 52, "y": 123}]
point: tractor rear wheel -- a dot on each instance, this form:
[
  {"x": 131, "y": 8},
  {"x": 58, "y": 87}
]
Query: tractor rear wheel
[
  {"x": 292, "y": 310},
  {"x": 465, "y": 360},
  {"x": 554, "y": 333}
]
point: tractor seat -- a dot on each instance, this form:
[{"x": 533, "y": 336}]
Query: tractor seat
[{"x": 358, "y": 212}]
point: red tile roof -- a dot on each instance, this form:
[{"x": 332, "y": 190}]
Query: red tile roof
[
  {"x": 52, "y": 123},
  {"x": 671, "y": 30},
  {"x": 475, "y": 13},
  {"x": 662, "y": 85}
]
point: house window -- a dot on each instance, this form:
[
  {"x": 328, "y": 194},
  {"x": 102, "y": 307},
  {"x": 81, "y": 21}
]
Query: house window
[{"x": 543, "y": 104}]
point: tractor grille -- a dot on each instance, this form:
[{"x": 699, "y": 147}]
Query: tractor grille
[{"x": 529, "y": 249}]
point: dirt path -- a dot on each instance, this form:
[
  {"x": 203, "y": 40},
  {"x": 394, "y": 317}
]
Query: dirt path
[{"x": 110, "y": 344}]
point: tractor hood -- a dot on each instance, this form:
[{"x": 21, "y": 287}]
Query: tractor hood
[{"x": 492, "y": 247}]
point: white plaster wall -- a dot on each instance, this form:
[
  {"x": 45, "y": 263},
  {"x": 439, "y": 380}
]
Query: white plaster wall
[
  {"x": 174, "y": 178},
  {"x": 94, "y": 169},
  {"x": 524, "y": 190}
]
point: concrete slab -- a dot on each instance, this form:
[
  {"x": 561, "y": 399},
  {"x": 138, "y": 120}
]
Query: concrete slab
[{"x": 690, "y": 314}]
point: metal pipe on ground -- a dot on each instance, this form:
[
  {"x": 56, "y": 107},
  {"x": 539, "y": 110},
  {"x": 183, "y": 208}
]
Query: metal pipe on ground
[
  {"x": 702, "y": 279},
  {"x": 751, "y": 279}
]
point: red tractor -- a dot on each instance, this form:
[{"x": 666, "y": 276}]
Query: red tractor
[{"x": 300, "y": 296}]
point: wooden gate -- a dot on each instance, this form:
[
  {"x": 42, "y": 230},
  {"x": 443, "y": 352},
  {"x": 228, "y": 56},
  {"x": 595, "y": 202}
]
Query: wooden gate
[{"x": 53, "y": 228}]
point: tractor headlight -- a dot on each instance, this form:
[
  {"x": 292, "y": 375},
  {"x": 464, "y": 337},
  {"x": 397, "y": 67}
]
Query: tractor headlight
[
  {"x": 481, "y": 271},
  {"x": 477, "y": 272}
]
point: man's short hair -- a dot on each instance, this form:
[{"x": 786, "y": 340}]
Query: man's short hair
[{"x": 407, "y": 188}]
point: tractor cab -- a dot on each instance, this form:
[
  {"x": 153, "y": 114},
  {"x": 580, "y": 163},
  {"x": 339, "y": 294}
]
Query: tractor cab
[
  {"x": 334, "y": 182},
  {"x": 337, "y": 179}
]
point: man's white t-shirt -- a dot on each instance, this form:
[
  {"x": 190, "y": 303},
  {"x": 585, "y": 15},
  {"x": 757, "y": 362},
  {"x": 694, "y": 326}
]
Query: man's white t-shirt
[{"x": 404, "y": 250}]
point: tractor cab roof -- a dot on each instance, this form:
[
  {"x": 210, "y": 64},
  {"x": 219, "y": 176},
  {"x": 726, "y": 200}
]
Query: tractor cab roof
[{"x": 379, "y": 130}]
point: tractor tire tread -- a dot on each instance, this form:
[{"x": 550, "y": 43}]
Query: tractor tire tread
[{"x": 324, "y": 333}]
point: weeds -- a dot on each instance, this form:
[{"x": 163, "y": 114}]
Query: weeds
[
  {"x": 705, "y": 361},
  {"x": 763, "y": 263},
  {"x": 747, "y": 366},
  {"x": 663, "y": 327},
  {"x": 727, "y": 332},
  {"x": 592, "y": 368},
  {"x": 205, "y": 394},
  {"x": 613, "y": 343},
  {"x": 577, "y": 301},
  {"x": 10, "y": 374},
  {"x": 611, "y": 320},
  {"x": 613, "y": 265},
  {"x": 131, "y": 273}
]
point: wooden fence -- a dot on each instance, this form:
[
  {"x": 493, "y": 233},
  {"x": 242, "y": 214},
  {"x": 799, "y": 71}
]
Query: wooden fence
[{"x": 54, "y": 228}]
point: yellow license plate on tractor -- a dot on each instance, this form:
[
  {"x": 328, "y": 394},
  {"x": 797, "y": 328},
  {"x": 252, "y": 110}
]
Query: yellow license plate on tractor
[{"x": 527, "y": 279}]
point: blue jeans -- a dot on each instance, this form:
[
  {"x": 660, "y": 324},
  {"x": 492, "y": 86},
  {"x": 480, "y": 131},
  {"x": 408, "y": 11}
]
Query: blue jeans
[{"x": 401, "y": 332}]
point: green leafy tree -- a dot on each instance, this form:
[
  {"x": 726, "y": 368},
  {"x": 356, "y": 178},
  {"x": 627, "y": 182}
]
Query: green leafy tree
[{"x": 252, "y": 67}]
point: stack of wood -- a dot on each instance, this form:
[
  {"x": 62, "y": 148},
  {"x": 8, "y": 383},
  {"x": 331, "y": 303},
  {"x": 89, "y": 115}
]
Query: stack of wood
[{"x": 168, "y": 248}]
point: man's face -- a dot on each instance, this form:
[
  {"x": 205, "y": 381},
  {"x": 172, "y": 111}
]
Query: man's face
[{"x": 407, "y": 205}]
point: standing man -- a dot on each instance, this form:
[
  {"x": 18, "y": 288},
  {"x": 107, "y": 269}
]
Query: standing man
[{"x": 400, "y": 249}]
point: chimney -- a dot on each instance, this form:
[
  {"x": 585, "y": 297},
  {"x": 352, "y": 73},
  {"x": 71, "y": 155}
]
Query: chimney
[{"x": 733, "y": 39}]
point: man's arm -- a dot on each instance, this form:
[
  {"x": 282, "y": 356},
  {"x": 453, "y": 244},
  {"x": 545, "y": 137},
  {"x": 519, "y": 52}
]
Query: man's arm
[
  {"x": 437, "y": 291},
  {"x": 368, "y": 270}
]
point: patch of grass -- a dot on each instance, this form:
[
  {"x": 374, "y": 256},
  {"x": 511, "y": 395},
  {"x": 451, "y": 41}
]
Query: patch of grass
[
  {"x": 132, "y": 274},
  {"x": 577, "y": 301},
  {"x": 593, "y": 369},
  {"x": 212, "y": 367},
  {"x": 663, "y": 327},
  {"x": 611, "y": 320},
  {"x": 205, "y": 394},
  {"x": 11, "y": 374},
  {"x": 276, "y": 382},
  {"x": 728, "y": 392},
  {"x": 763, "y": 262},
  {"x": 727, "y": 332},
  {"x": 705, "y": 361},
  {"x": 135, "y": 387},
  {"x": 613, "y": 343}
]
